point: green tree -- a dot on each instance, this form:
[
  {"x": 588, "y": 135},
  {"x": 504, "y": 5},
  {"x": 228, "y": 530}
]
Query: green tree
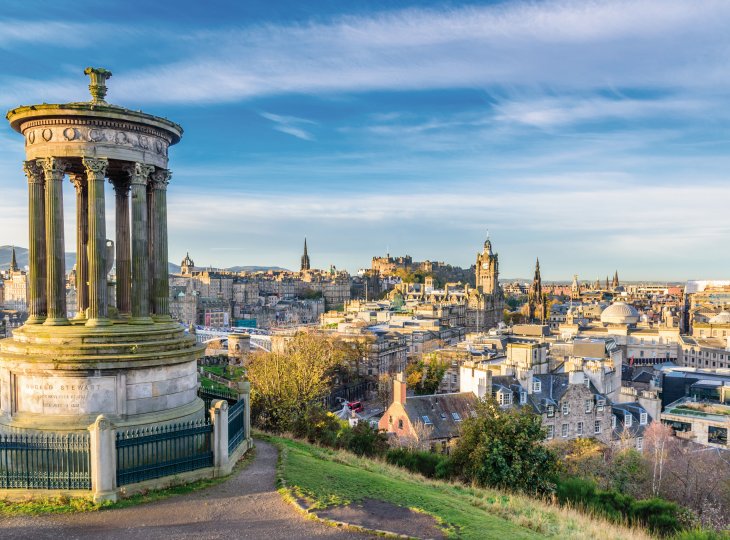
[
  {"x": 504, "y": 449},
  {"x": 425, "y": 376},
  {"x": 283, "y": 384}
]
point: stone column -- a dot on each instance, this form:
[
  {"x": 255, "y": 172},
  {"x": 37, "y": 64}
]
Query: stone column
[
  {"x": 53, "y": 170},
  {"x": 37, "y": 243},
  {"x": 138, "y": 174},
  {"x": 161, "y": 275},
  {"x": 124, "y": 251},
  {"x": 82, "y": 238},
  {"x": 98, "y": 307},
  {"x": 219, "y": 418},
  {"x": 103, "y": 458},
  {"x": 151, "y": 244}
]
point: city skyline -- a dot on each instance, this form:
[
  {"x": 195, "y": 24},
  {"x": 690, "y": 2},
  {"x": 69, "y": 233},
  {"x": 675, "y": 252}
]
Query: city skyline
[{"x": 410, "y": 129}]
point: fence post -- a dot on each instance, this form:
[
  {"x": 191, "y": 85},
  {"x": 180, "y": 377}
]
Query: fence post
[
  {"x": 219, "y": 418},
  {"x": 244, "y": 393},
  {"x": 103, "y": 458}
]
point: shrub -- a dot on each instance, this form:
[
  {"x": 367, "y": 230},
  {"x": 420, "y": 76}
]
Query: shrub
[
  {"x": 364, "y": 440},
  {"x": 428, "y": 464},
  {"x": 660, "y": 516},
  {"x": 317, "y": 426}
]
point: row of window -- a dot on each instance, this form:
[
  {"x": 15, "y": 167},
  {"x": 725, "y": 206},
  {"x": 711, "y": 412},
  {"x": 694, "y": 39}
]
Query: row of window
[{"x": 579, "y": 429}]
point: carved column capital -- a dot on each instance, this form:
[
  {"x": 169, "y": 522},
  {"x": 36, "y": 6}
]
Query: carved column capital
[
  {"x": 121, "y": 184},
  {"x": 139, "y": 173},
  {"x": 161, "y": 178},
  {"x": 95, "y": 167},
  {"x": 53, "y": 168},
  {"x": 78, "y": 181},
  {"x": 33, "y": 171}
]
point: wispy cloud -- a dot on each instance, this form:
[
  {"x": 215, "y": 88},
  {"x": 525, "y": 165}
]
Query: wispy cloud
[
  {"x": 564, "y": 44},
  {"x": 291, "y": 125}
]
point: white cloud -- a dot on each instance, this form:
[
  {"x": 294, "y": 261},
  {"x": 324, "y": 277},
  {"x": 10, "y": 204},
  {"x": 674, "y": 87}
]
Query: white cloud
[
  {"x": 291, "y": 125},
  {"x": 569, "y": 44}
]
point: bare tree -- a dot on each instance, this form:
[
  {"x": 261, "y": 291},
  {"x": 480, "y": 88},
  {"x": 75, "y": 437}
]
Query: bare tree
[
  {"x": 420, "y": 439},
  {"x": 658, "y": 441}
]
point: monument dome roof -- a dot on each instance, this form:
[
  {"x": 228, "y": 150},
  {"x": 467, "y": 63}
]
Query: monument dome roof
[
  {"x": 721, "y": 318},
  {"x": 620, "y": 313}
]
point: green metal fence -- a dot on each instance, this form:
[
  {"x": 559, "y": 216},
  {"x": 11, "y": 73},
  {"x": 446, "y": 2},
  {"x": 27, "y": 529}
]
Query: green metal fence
[
  {"x": 45, "y": 461},
  {"x": 236, "y": 425},
  {"x": 163, "y": 451},
  {"x": 209, "y": 395}
]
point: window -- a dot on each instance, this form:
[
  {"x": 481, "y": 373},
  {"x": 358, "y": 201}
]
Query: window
[
  {"x": 579, "y": 429},
  {"x": 536, "y": 386},
  {"x": 597, "y": 427},
  {"x": 639, "y": 443},
  {"x": 550, "y": 431},
  {"x": 613, "y": 422},
  {"x": 643, "y": 419},
  {"x": 456, "y": 417},
  {"x": 400, "y": 423},
  {"x": 505, "y": 398},
  {"x": 587, "y": 382},
  {"x": 426, "y": 420},
  {"x": 551, "y": 411},
  {"x": 589, "y": 405},
  {"x": 566, "y": 409},
  {"x": 628, "y": 420},
  {"x": 600, "y": 404},
  {"x": 564, "y": 430},
  {"x": 390, "y": 419},
  {"x": 523, "y": 398}
]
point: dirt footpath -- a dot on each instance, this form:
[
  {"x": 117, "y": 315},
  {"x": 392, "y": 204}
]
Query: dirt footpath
[{"x": 245, "y": 506}]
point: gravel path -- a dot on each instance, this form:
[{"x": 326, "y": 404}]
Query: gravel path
[{"x": 246, "y": 506}]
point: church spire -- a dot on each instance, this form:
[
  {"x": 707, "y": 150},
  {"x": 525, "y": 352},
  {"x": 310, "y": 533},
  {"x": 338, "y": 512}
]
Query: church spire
[
  {"x": 305, "y": 258},
  {"x": 13, "y": 262}
]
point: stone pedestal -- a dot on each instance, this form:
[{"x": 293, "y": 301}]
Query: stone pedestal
[{"x": 103, "y": 457}]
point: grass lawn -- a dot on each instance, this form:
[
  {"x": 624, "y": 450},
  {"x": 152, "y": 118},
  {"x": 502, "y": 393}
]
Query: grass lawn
[{"x": 326, "y": 478}]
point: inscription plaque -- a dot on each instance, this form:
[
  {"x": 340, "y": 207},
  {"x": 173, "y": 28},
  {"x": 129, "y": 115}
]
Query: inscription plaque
[{"x": 66, "y": 395}]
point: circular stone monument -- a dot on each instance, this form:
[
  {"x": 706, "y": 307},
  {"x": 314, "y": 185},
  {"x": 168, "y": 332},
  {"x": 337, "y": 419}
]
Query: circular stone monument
[{"x": 123, "y": 357}]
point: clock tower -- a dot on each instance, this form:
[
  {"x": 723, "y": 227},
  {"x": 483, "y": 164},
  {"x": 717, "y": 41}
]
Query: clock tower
[{"x": 487, "y": 271}]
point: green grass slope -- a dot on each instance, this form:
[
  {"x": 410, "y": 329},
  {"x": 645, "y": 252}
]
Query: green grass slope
[{"x": 327, "y": 478}]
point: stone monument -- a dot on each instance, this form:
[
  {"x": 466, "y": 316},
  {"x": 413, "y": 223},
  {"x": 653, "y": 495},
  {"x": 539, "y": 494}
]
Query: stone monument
[{"x": 133, "y": 364}]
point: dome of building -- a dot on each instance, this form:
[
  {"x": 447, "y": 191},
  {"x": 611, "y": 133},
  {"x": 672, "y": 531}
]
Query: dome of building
[
  {"x": 620, "y": 313},
  {"x": 721, "y": 318}
]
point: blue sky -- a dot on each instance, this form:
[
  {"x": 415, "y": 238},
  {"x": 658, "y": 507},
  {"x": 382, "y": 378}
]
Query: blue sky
[{"x": 591, "y": 134}]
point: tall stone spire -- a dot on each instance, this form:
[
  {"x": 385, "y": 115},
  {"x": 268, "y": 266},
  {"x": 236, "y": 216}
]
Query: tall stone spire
[
  {"x": 13, "y": 262},
  {"x": 305, "y": 258},
  {"x": 535, "y": 297},
  {"x": 615, "y": 280}
]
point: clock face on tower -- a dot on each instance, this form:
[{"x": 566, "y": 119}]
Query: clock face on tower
[{"x": 485, "y": 265}]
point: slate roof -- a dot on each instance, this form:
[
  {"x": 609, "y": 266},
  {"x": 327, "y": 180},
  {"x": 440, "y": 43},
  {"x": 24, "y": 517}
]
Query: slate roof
[
  {"x": 552, "y": 389},
  {"x": 619, "y": 410},
  {"x": 443, "y": 412}
]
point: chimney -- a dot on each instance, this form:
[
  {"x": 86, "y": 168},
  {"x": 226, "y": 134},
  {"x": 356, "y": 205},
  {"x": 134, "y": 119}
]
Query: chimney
[
  {"x": 576, "y": 377},
  {"x": 399, "y": 389}
]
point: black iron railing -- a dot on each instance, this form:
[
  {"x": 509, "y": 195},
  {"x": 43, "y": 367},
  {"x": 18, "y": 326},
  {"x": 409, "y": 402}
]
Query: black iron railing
[
  {"x": 45, "y": 461},
  {"x": 163, "y": 451},
  {"x": 236, "y": 425}
]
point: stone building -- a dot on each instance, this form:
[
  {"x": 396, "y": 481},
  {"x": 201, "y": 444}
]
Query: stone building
[{"x": 15, "y": 287}]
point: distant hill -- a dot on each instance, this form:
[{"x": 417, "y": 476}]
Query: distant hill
[
  {"x": 256, "y": 268},
  {"x": 21, "y": 255}
]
